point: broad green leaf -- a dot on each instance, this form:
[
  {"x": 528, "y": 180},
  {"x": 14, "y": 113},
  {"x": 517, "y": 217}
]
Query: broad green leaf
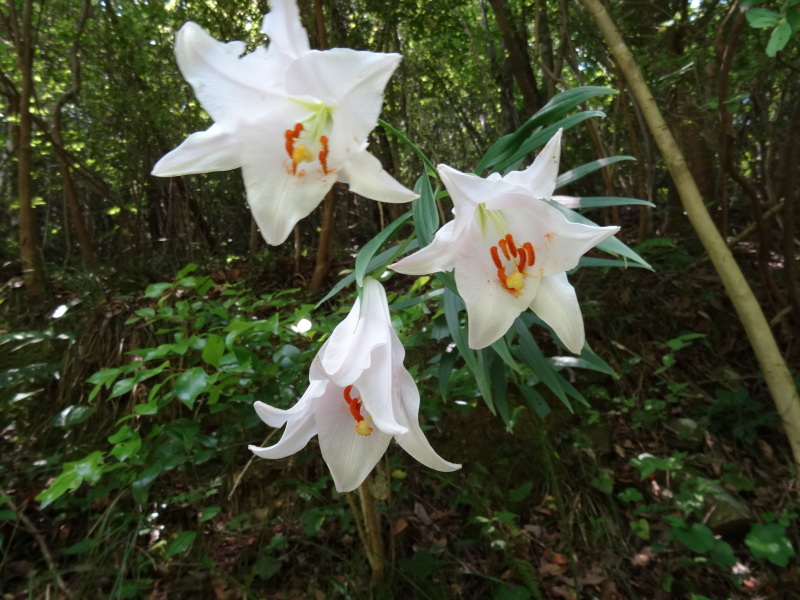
[
  {"x": 771, "y": 542},
  {"x": 697, "y": 538},
  {"x": 762, "y": 17},
  {"x": 209, "y": 512},
  {"x": 180, "y": 543},
  {"x": 73, "y": 474},
  {"x": 190, "y": 384},
  {"x": 156, "y": 289},
  {"x": 123, "y": 386},
  {"x": 520, "y": 493},
  {"x": 779, "y": 38},
  {"x": 72, "y": 415},
  {"x": 213, "y": 350}
]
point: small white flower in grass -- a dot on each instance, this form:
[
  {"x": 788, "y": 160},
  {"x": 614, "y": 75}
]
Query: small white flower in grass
[
  {"x": 510, "y": 250},
  {"x": 359, "y": 397},
  {"x": 295, "y": 120}
]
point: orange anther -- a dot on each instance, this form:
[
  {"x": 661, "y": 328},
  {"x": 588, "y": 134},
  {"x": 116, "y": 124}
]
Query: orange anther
[
  {"x": 531, "y": 254},
  {"x": 323, "y": 154},
  {"x": 496, "y": 257},
  {"x": 511, "y": 247},
  {"x": 504, "y": 247},
  {"x": 362, "y": 426}
]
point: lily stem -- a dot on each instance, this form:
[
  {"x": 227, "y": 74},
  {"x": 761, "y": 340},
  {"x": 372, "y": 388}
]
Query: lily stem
[{"x": 374, "y": 545}]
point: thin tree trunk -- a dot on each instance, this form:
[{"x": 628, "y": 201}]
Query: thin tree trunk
[
  {"x": 323, "y": 263},
  {"x": 776, "y": 373},
  {"x": 70, "y": 193},
  {"x": 518, "y": 58},
  {"x": 30, "y": 253}
]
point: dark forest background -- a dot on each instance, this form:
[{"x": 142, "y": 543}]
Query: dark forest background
[{"x": 674, "y": 480}]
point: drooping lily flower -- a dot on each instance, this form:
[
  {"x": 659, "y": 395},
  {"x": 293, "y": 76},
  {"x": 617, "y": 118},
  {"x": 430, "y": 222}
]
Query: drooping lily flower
[
  {"x": 295, "y": 120},
  {"x": 510, "y": 250},
  {"x": 359, "y": 397}
]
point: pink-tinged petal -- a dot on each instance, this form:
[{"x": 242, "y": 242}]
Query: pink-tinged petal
[
  {"x": 349, "y": 456},
  {"x": 295, "y": 438},
  {"x": 557, "y": 305},
  {"x": 436, "y": 257},
  {"x": 202, "y": 152},
  {"x": 285, "y": 31},
  {"x": 353, "y": 83},
  {"x": 539, "y": 179},
  {"x": 226, "y": 85},
  {"x": 366, "y": 177},
  {"x": 278, "y": 197},
  {"x": 406, "y": 407}
]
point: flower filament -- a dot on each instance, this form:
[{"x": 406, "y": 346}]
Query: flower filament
[
  {"x": 306, "y": 142},
  {"x": 508, "y": 254},
  {"x": 362, "y": 424}
]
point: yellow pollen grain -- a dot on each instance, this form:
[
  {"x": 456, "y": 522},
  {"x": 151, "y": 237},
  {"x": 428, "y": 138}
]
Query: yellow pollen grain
[
  {"x": 363, "y": 428},
  {"x": 515, "y": 281},
  {"x": 301, "y": 154}
]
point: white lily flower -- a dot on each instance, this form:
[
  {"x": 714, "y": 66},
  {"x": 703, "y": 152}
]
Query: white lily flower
[
  {"x": 359, "y": 397},
  {"x": 295, "y": 120},
  {"x": 510, "y": 250}
]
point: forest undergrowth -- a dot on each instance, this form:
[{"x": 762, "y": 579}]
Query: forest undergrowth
[{"x": 673, "y": 482}]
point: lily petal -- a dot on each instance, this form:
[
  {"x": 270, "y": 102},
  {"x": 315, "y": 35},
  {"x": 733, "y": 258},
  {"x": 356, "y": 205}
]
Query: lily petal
[
  {"x": 283, "y": 28},
  {"x": 490, "y": 308},
  {"x": 226, "y": 85},
  {"x": 202, "y": 152},
  {"x": 539, "y": 179},
  {"x": 436, "y": 257},
  {"x": 295, "y": 438},
  {"x": 277, "y": 198},
  {"x": 353, "y": 81},
  {"x": 406, "y": 407},
  {"x": 366, "y": 177},
  {"x": 556, "y": 303},
  {"x": 349, "y": 456},
  {"x": 348, "y": 352}
]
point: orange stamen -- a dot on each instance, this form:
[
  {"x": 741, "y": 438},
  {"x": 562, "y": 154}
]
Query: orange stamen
[
  {"x": 291, "y": 135},
  {"x": 517, "y": 258},
  {"x": 531, "y": 254},
  {"x": 496, "y": 257},
  {"x": 323, "y": 154},
  {"x": 362, "y": 428},
  {"x": 511, "y": 247},
  {"x": 504, "y": 247}
]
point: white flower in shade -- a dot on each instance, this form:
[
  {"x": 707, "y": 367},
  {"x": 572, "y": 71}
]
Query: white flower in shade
[
  {"x": 359, "y": 397},
  {"x": 295, "y": 120},
  {"x": 510, "y": 250}
]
